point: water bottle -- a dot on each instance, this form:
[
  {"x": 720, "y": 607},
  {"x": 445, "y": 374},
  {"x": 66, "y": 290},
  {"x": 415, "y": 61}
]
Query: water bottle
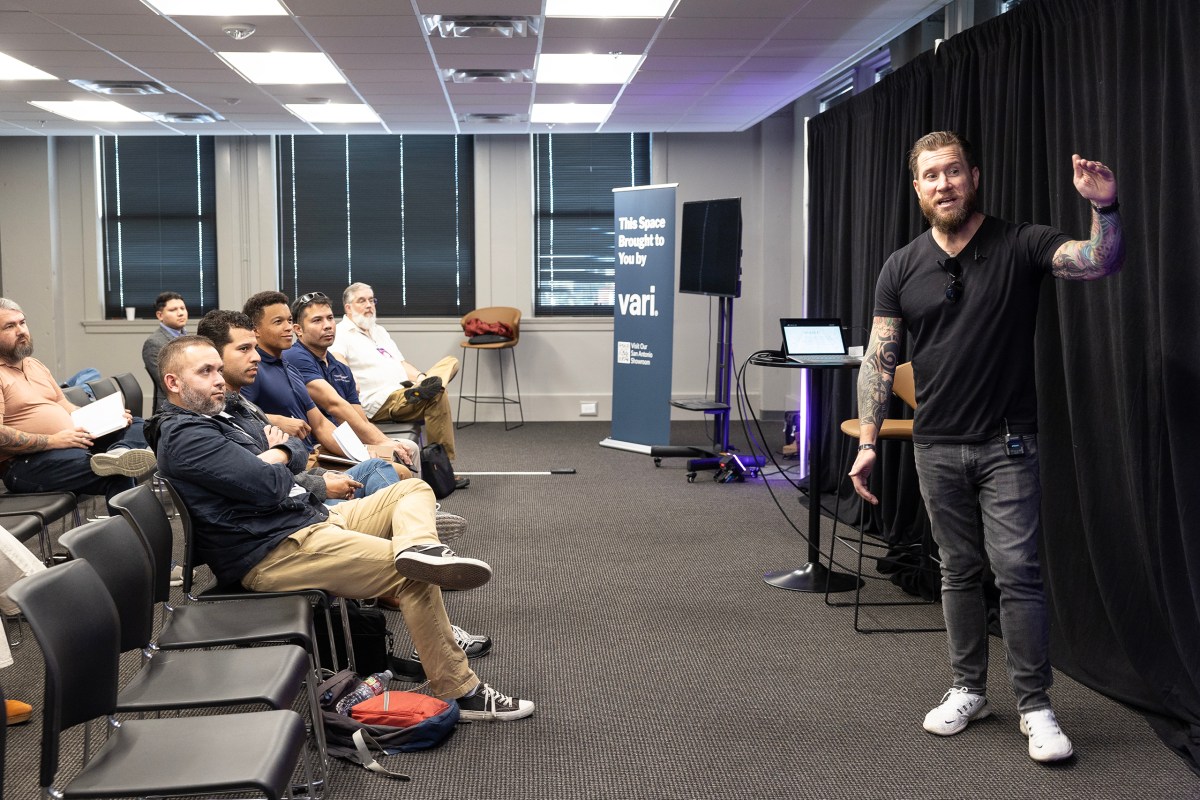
[{"x": 370, "y": 687}]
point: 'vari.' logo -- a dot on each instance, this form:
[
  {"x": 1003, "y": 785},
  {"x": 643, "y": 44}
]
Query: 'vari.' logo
[{"x": 637, "y": 305}]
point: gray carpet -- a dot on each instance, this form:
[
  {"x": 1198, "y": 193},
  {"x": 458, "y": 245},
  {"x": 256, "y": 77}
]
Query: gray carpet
[{"x": 629, "y": 605}]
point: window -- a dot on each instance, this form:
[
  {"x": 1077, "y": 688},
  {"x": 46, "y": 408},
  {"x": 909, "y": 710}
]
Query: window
[
  {"x": 397, "y": 212},
  {"x": 574, "y": 175},
  {"x": 159, "y": 222}
]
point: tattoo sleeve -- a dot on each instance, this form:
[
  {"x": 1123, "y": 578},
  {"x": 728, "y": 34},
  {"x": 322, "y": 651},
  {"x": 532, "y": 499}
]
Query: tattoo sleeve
[
  {"x": 878, "y": 370},
  {"x": 1101, "y": 255},
  {"x": 15, "y": 442}
]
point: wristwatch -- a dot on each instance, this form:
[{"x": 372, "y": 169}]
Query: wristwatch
[{"x": 866, "y": 447}]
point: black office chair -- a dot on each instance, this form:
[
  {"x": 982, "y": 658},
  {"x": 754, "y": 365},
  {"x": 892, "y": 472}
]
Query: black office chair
[
  {"x": 76, "y": 624},
  {"x": 77, "y": 395},
  {"x": 131, "y": 390},
  {"x": 259, "y": 616},
  {"x": 47, "y": 507},
  {"x": 270, "y": 676}
]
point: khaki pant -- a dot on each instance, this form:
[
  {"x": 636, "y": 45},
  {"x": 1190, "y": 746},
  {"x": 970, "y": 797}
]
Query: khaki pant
[
  {"x": 439, "y": 427},
  {"x": 353, "y": 554}
]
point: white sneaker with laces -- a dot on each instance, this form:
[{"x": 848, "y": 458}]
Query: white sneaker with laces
[
  {"x": 1047, "y": 742},
  {"x": 489, "y": 705},
  {"x": 958, "y": 707}
]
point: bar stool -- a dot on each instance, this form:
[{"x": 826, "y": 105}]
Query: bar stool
[{"x": 512, "y": 318}]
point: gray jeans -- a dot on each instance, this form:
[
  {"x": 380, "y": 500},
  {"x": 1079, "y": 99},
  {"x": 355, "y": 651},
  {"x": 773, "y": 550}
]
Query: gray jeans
[{"x": 982, "y": 500}]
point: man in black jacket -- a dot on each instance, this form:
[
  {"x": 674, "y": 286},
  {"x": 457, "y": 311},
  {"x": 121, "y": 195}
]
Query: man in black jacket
[{"x": 256, "y": 526}]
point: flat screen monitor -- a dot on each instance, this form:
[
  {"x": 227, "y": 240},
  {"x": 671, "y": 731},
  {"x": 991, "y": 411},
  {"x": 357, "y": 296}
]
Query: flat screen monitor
[{"x": 710, "y": 247}]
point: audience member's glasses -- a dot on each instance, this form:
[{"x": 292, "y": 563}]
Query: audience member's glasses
[
  {"x": 360, "y": 301},
  {"x": 308, "y": 298},
  {"x": 954, "y": 284}
]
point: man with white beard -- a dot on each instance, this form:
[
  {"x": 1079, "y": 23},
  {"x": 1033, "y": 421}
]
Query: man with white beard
[{"x": 391, "y": 388}]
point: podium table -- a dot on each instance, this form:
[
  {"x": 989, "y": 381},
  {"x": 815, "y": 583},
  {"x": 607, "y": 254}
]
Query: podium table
[{"x": 812, "y": 576}]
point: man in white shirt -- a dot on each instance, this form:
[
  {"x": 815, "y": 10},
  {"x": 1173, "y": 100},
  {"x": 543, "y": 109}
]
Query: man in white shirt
[{"x": 392, "y": 389}]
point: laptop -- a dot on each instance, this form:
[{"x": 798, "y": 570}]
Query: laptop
[{"x": 815, "y": 342}]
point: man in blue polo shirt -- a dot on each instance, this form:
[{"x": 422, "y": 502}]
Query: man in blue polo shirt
[
  {"x": 329, "y": 382},
  {"x": 279, "y": 391}
]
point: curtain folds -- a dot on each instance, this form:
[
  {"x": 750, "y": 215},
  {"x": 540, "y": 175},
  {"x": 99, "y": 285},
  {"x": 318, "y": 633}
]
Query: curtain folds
[{"x": 1113, "y": 80}]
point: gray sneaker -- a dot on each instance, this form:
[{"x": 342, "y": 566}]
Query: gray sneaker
[
  {"x": 132, "y": 463},
  {"x": 1047, "y": 742},
  {"x": 441, "y": 566},
  {"x": 449, "y": 526},
  {"x": 958, "y": 707},
  {"x": 475, "y": 646}
]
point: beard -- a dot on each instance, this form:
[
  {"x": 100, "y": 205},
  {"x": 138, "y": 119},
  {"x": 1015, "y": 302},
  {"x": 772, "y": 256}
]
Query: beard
[
  {"x": 18, "y": 352},
  {"x": 950, "y": 222},
  {"x": 364, "y": 321},
  {"x": 201, "y": 402}
]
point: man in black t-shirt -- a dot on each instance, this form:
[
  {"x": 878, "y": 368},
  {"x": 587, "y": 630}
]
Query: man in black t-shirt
[{"x": 967, "y": 293}]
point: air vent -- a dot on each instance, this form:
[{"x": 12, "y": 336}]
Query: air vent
[
  {"x": 492, "y": 118},
  {"x": 488, "y": 75},
  {"x": 184, "y": 117},
  {"x": 126, "y": 88},
  {"x": 469, "y": 26}
]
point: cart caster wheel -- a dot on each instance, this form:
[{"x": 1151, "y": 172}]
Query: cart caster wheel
[
  {"x": 658, "y": 462},
  {"x": 691, "y": 476}
]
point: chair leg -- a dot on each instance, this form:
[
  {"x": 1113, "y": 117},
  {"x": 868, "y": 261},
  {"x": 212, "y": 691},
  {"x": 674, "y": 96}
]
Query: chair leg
[{"x": 512, "y": 355}]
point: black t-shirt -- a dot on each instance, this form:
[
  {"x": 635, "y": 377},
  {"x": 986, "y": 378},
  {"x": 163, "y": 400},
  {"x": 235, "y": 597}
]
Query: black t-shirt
[{"x": 972, "y": 360}]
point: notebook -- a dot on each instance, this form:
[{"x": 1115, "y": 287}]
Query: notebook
[{"x": 816, "y": 342}]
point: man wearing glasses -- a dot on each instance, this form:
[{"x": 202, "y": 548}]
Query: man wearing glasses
[
  {"x": 392, "y": 389},
  {"x": 967, "y": 292}
]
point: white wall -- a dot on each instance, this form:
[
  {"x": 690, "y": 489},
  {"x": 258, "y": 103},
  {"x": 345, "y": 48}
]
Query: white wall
[{"x": 50, "y": 261}]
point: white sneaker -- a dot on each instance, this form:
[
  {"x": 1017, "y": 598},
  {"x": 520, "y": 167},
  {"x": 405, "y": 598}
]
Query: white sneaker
[
  {"x": 1047, "y": 742},
  {"x": 958, "y": 707},
  {"x": 123, "y": 461}
]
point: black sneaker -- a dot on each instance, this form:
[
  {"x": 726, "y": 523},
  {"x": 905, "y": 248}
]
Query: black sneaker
[
  {"x": 425, "y": 392},
  {"x": 475, "y": 646},
  {"x": 439, "y": 565},
  {"x": 489, "y": 705}
]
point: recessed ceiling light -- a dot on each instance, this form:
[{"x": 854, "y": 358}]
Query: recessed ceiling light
[
  {"x": 217, "y": 8},
  {"x": 569, "y": 112},
  {"x": 609, "y": 8},
  {"x": 284, "y": 68},
  {"x": 13, "y": 70},
  {"x": 585, "y": 67},
  {"x": 90, "y": 110},
  {"x": 323, "y": 113}
]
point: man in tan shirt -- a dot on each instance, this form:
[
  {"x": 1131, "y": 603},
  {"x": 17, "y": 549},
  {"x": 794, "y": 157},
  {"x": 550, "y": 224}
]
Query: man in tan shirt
[{"x": 41, "y": 448}]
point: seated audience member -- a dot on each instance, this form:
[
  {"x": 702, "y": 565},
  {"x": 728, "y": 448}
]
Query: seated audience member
[
  {"x": 41, "y": 448},
  {"x": 391, "y": 389},
  {"x": 233, "y": 335},
  {"x": 280, "y": 393},
  {"x": 328, "y": 381},
  {"x": 15, "y": 563},
  {"x": 255, "y": 526},
  {"x": 172, "y": 315}
]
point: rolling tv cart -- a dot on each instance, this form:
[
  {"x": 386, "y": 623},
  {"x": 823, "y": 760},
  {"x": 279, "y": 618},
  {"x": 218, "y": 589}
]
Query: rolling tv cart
[{"x": 704, "y": 457}]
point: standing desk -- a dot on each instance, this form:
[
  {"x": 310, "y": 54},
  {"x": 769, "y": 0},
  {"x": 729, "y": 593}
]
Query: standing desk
[{"x": 811, "y": 576}]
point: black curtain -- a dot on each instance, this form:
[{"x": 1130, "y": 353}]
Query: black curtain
[{"x": 1113, "y": 80}]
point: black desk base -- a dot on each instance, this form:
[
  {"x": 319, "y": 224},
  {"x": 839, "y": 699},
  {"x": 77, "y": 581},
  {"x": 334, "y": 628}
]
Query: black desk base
[{"x": 813, "y": 577}]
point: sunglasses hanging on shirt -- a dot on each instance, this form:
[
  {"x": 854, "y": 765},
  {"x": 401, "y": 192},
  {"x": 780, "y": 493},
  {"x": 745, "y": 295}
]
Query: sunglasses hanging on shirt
[{"x": 954, "y": 284}]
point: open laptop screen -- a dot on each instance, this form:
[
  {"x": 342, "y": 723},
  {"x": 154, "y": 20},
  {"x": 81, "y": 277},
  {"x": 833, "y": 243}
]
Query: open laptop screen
[{"x": 813, "y": 337}]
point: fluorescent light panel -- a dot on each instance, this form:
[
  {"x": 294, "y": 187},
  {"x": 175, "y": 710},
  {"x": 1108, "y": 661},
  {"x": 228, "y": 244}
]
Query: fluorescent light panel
[
  {"x": 608, "y": 9},
  {"x": 217, "y": 8},
  {"x": 91, "y": 110},
  {"x": 566, "y": 113},
  {"x": 284, "y": 68},
  {"x": 13, "y": 70},
  {"x": 326, "y": 113},
  {"x": 596, "y": 68}
]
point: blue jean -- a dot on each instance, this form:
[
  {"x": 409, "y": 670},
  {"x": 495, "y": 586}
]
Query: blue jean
[
  {"x": 374, "y": 474},
  {"x": 71, "y": 470},
  {"x": 985, "y": 506}
]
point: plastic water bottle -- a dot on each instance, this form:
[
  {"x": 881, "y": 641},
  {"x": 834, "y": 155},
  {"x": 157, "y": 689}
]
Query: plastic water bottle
[{"x": 371, "y": 686}]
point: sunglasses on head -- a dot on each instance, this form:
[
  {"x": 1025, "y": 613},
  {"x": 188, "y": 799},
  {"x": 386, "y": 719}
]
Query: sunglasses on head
[{"x": 954, "y": 284}]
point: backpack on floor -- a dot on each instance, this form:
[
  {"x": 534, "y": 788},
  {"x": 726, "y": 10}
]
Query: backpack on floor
[
  {"x": 393, "y": 722},
  {"x": 436, "y": 470},
  {"x": 372, "y": 641}
]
